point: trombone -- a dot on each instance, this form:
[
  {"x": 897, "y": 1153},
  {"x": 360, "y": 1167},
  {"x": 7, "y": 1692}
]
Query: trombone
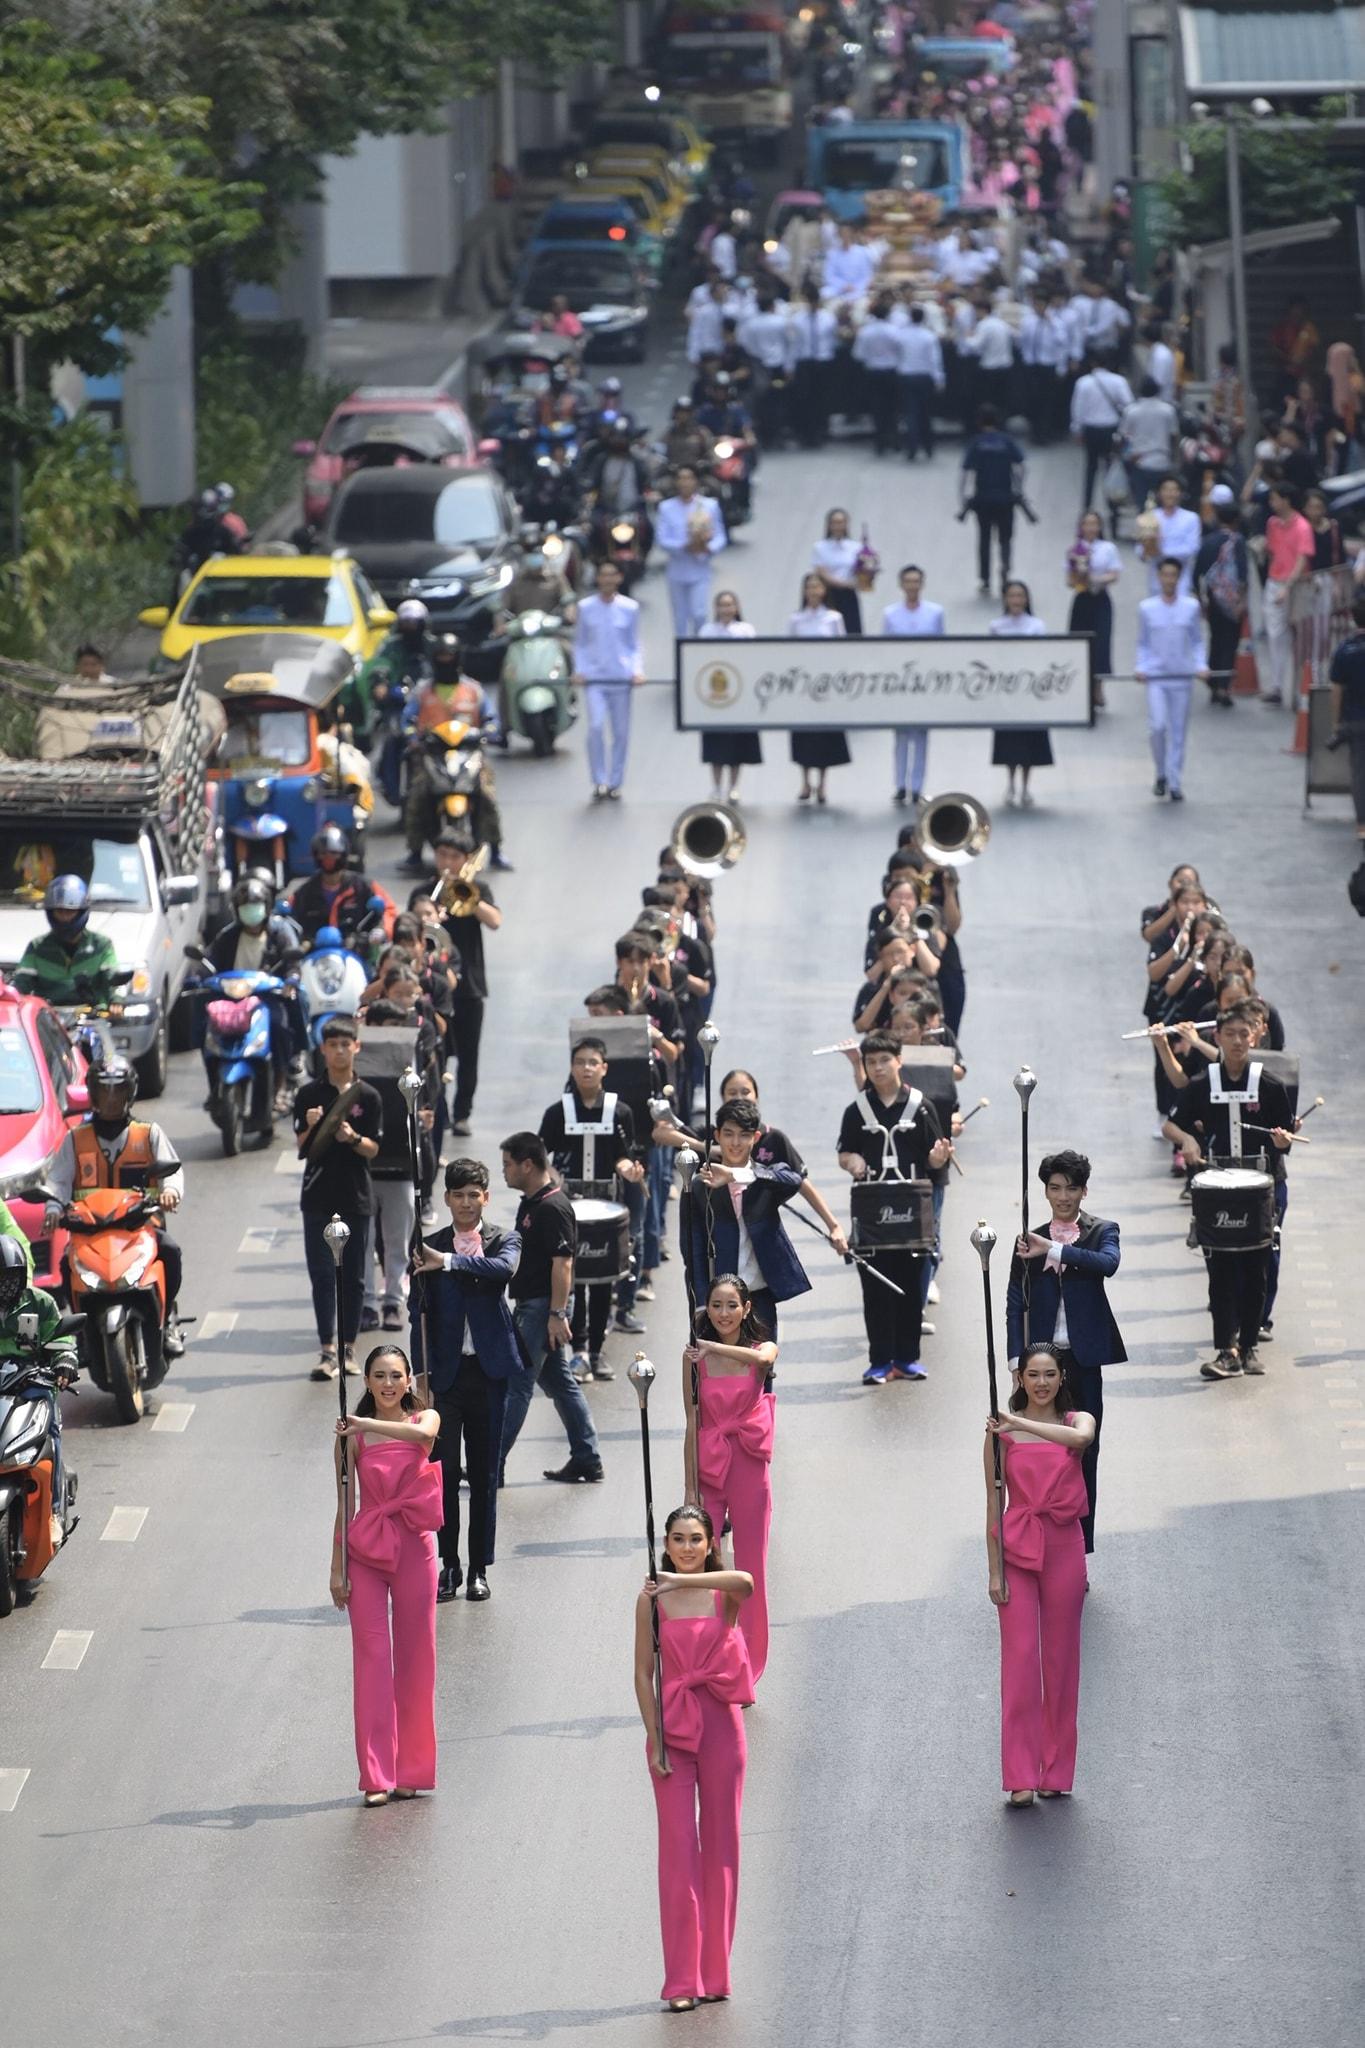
[
  {"x": 707, "y": 839},
  {"x": 457, "y": 895}
]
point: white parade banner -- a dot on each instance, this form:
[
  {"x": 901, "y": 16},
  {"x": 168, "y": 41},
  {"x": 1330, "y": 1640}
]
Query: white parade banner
[{"x": 779, "y": 684}]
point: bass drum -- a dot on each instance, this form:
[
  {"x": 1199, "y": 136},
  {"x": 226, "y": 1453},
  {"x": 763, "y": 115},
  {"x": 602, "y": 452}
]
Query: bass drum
[
  {"x": 603, "y": 1241},
  {"x": 1233, "y": 1209}
]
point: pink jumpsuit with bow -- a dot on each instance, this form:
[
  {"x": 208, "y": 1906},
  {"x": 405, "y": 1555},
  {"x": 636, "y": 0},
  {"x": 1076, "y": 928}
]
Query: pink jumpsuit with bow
[
  {"x": 706, "y": 1680},
  {"x": 736, "y": 1421},
  {"x": 1040, "y": 1624},
  {"x": 392, "y": 1558}
]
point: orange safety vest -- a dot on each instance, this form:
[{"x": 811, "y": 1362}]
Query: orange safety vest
[{"x": 129, "y": 1169}]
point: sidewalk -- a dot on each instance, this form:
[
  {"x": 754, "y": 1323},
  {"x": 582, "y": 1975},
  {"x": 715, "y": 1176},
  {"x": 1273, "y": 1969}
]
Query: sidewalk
[{"x": 406, "y": 351}]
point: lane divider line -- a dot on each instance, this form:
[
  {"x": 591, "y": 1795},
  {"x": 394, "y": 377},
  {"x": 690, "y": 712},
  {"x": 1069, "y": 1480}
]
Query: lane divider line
[
  {"x": 69, "y": 1646},
  {"x": 219, "y": 1322},
  {"x": 12, "y": 1783},
  {"x": 259, "y": 1241},
  {"x": 124, "y": 1525},
  {"x": 173, "y": 1417}
]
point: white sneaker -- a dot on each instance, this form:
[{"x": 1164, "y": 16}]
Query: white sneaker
[
  {"x": 927, "y": 1328},
  {"x": 1159, "y": 1133},
  {"x": 932, "y": 1297}
]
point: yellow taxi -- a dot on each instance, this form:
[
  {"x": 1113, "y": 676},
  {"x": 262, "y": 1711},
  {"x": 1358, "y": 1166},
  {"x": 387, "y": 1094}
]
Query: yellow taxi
[
  {"x": 637, "y": 195},
  {"x": 327, "y": 596},
  {"x": 670, "y": 193}
]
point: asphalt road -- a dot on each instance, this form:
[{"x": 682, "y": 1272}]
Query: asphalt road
[{"x": 185, "y": 1856}]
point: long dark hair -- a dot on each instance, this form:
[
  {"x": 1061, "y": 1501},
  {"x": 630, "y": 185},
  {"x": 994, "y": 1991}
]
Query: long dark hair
[
  {"x": 365, "y": 1405},
  {"x": 690, "y": 1512},
  {"x": 752, "y": 1332},
  {"x": 1019, "y": 1398}
]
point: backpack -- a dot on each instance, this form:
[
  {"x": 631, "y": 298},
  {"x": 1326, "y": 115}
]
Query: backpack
[{"x": 1223, "y": 585}]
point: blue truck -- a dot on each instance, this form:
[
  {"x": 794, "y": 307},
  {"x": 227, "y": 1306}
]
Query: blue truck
[{"x": 847, "y": 160}]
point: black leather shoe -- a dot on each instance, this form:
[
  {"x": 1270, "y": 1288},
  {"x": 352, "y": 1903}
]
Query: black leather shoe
[
  {"x": 478, "y": 1588},
  {"x": 448, "y": 1582},
  {"x": 574, "y": 1474}
]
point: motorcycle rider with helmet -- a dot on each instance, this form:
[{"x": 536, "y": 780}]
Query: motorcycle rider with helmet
[
  {"x": 255, "y": 942},
  {"x": 208, "y": 534},
  {"x": 18, "y": 1296},
  {"x": 722, "y": 414},
  {"x": 69, "y": 963},
  {"x": 553, "y": 493},
  {"x": 687, "y": 444},
  {"x": 618, "y": 476},
  {"x": 539, "y": 585},
  {"x": 334, "y": 893},
  {"x": 109, "y": 1149},
  {"x": 449, "y": 697},
  {"x": 403, "y": 658}
]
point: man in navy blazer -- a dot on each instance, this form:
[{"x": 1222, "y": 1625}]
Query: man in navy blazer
[
  {"x": 1056, "y": 1287},
  {"x": 752, "y": 1240},
  {"x": 458, "y": 1305}
]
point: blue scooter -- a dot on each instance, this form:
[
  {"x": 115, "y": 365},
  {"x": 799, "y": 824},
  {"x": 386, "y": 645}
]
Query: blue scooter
[
  {"x": 239, "y": 1050},
  {"x": 332, "y": 979}
]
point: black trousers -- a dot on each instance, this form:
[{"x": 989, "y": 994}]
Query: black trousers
[
  {"x": 893, "y": 1324},
  {"x": 466, "y": 1029},
  {"x": 1099, "y": 442},
  {"x": 591, "y": 1314},
  {"x": 770, "y": 409},
  {"x": 917, "y": 401},
  {"x": 471, "y": 1417},
  {"x": 810, "y": 390},
  {"x": 1225, "y": 637},
  {"x": 322, "y": 1276},
  {"x": 997, "y": 520},
  {"x": 1087, "y": 1393},
  {"x": 1355, "y": 740},
  {"x": 882, "y": 393},
  {"x": 1237, "y": 1285}
]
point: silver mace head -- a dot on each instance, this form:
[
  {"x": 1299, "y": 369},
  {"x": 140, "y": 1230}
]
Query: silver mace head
[
  {"x": 641, "y": 1375},
  {"x": 409, "y": 1087},
  {"x": 338, "y": 1236},
  {"x": 708, "y": 1038},
  {"x": 1025, "y": 1081},
  {"x": 984, "y": 1242}
]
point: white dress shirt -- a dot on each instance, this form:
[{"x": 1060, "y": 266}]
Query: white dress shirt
[
  {"x": 848, "y": 271},
  {"x": 672, "y": 531},
  {"x": 1104, "y": 561},
  {"x": 1100, "y": 399},
  {"x": 993, "y": 343},
  {"x": 921, "y": 352},
  {"x": 738, "y": 629},
  {"x": 606, "y": 640},
  {"x": 822, "y": 624},
  {"x": 1017, "y": 626},
  {"x": 876, "y": 346},
  {"x": 722, "y": 253},
  {"x": 1178, "y": 533},
  {"x": 1170, "y": 639},
  {"x": 767, "y": 338},
  {"x": 1161, "y": 368},
  {"x": 917, "y": 622},
  {"x": 814, "y": 335},
  {"x": 835, "y": 558}
]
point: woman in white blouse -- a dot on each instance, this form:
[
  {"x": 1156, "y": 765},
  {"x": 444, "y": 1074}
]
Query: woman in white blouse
[
  {"x": 1093, "y": 567},
  {"x": 728, "y": 751},
  {"x": 818, "y": 751},
  {"x": 1019, "y": 748},
  {"x": 836, "y": 558}
]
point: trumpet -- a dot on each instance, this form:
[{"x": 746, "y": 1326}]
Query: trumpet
[{"x": 457, "y": 895}]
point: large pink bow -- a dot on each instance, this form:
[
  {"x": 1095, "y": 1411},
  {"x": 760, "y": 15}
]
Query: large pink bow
[
  {"x": 1024, "y": 1544},
  {"x": 753, "y": 1433},
  {"x": 725, "y": 1674},
  {"x": 373, "y": 1535}
]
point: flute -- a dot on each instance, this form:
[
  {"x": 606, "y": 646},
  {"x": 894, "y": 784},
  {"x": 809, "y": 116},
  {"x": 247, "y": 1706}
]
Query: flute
[
  {"x": 1155, "y": 1031},
  {"x": 843, "y": 1045}
]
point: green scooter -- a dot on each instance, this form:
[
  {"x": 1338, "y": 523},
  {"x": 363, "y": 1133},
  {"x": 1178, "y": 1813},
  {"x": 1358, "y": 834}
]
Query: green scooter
[{"x": 535, "y": 680}]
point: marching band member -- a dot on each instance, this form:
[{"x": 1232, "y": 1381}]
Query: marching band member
[{"x": 590, "y": 1136}]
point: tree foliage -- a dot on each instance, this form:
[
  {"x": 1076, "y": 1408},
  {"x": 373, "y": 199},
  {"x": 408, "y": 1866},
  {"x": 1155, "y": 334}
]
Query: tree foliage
[
  {"x": 105, "y": 192},
  {"x": 1288, "y": 175}
]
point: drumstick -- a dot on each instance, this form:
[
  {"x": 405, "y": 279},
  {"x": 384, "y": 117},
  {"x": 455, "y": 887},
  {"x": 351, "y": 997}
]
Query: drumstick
[
  {"x": 1316, "y": 1103},
  {"x": 1265, "y": 1131},
  {"x": 984, "y": 1103}
]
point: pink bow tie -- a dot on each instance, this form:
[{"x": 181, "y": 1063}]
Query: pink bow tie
[
  {"x": 1065, "y": 1233},
  {"x": 469, "y": 1244}
]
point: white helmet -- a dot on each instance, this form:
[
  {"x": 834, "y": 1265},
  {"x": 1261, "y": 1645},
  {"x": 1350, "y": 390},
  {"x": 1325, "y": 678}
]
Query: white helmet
[{"x": 412, "y": 616}]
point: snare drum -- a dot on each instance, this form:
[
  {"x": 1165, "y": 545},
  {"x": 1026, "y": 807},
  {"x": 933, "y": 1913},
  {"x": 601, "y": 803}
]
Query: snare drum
[
  {"x": 1233, "y": 1209},
  {"x": 893, "y": 1215},
  {"x": 603, "y": 1251}
]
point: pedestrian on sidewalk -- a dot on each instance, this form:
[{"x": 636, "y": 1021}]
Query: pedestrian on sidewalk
[
  {"x": 1036, "y": 1557},
  {"x": 1222, "y": 573},
  {"x": 390, "y": 1579},
  {"x": 542, "y": 1290},
  {"x": 607, "y": 666},
  {"x": 1289, "y": 553},
  {"x": 1170, "y": 654}
]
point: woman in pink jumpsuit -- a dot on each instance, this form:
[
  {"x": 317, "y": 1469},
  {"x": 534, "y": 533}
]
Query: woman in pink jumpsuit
[
  {"x": 1039, "y": 1586},
  {"x": 697, "y": 1771},
  {"x": 391, "y": 1545},
  {"x": 727, "y": 1456}
]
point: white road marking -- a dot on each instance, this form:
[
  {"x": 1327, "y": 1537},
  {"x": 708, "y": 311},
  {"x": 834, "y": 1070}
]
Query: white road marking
[
  {"x": 1327, "y": 1323},
  {"x": 124, "y": 1525},
  {"x": 174, "y": 1417},
  {"x": 289, "y": 1162},
  {"x": 1340, "y": 1383},
  {"x": 1355, "y": 1464},
  {"x": 69, "y": 1646},
  {"x": 12, "y": 1783},
  {"x": 1347, "y": 1401},
  {"x": 259, "y": 1241},
  {"x": 219, "y": 1322}
]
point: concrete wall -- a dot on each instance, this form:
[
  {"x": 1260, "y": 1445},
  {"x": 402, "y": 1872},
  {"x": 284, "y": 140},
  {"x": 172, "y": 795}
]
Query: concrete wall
[{"x": 396, "y": 209}]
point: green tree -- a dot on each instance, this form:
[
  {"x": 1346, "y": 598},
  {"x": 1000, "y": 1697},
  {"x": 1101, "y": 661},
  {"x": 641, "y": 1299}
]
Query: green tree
[
  {"x": 105, "y": 192},
  {"x": 1288, "y": 175}
]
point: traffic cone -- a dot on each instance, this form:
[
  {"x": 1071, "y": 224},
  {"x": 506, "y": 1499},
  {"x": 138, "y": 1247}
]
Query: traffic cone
[
  {"x": 1300, "y": 743},
  {"x": 1245, "y": 680}
]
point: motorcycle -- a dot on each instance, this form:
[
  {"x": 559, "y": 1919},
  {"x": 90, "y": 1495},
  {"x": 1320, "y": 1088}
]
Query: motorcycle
[
  {"x": 29, "y": 1390},
  {"x": 622, "y": 538},
  {"x": 390, "y": 730},
  {"x": 116, "y": 1279},
  {"x": 332, "y": 979},
  {"x": 730, "y": 483},
  {"x": 239, "y": 1051},
  {"x": 451, "y": 758},
  {"x": 535, "y": 680}
]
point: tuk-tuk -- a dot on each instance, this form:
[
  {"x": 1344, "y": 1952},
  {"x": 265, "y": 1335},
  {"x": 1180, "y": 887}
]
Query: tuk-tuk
[
  {"x": 512, "y": 367},
  {"x": 282, "y": 769}
]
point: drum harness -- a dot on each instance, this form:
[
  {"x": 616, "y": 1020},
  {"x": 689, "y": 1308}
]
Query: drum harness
[
  {"x": 1232, "y": 1099},
  {"x": 888, "y": 1133},
  {"x": 577, "y": 1125}
]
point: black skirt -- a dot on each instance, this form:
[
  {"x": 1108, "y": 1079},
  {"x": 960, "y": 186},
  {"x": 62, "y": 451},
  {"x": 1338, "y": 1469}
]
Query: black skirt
[
  {"x": 845, "y": 602},
  {"x": 820, "y": 749},
  {"x": 1023, "y": 746},
  {"x": 732, "y": 749},
  {"x": 1092, "y": 612}
]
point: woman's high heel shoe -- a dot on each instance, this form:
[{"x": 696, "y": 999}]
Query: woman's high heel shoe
[
  {"x": 1021, "y": 1799},
  {"x": 404, "y": 1792},
  {"x": 682, "y": 2004},
  {"x": 376, "y": 1798}
]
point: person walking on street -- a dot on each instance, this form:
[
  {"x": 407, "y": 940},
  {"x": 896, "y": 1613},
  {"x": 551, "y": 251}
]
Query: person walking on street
[
  {"x": 391, "y": 1565},
  {"x": 912, "y": 619},
  {"x": 1289, "y": 552},
  {"x": 1148, "y": 432},
  {"x": 691, "y": 532},
  {"x": 1036, "y": 1558},
  {"x": 921, "y": 382},
  {"x": 877, "y": 348},
  {"x": 992, "y": 483},
  {"x": 815, "y": 343},
  {"x": 607, "y": 666},
  {"x": 1222, "y": 573},
  {"x": 337, "y": 1122},
  {"x": 465, "y": 1341},
  {"x": 1098, "y": 404},
  {"x": 1176, "y": 537},
  {"x": 542, "y": 1289},
  {"x": 1093, "y": 568},
  {"x": 1170, "y": 654},
  {"x": 464, "y": 925}
]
